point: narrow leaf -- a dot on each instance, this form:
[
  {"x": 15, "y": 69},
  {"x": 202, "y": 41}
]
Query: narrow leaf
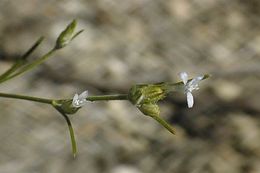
[
  {"x": 20, "y": 62},
  {"x": 35, "y": 45}
]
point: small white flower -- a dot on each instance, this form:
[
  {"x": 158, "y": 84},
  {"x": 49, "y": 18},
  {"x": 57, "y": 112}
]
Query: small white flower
[
  {"x": 79, "y": 100},
  {"x": 189, "y": 86}
]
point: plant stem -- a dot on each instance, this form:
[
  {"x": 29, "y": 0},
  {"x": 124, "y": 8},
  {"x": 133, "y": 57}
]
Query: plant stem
[
  {"x": 30, "y": 66},
  {"x": 49, "y": 101},
  {"x": 20, "y": 62},
  {"x": 29, "y": 98},
  {"x": 10, "y": 71},
  {"x": 31, "y": 50},
  {"x": 72, "y": 136},
  {"x": 164, "y": 124},
  {"x": 107, "y": 97}
]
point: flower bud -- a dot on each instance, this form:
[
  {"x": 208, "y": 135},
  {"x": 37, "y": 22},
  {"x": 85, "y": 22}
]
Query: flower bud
[
  {"x": 153, "y": 111},
  {"x": 146, "y": 96},
  {"x": 150, "y": 109},
  {"x": 67, "y": 35}
]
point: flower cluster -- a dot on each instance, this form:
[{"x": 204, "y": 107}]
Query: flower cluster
[{"x": 80, "y": 100}]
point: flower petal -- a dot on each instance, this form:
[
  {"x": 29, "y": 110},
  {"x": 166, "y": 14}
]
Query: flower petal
[
  {"x": 75, "y": 104},
  {"x": 196, "y": 80},
  {"x": 80, "y": 100},
  {"x": 83, "y": 95},
  {"x": 190, "y": 99},
  {"x": 200, "y": 77},
  {"x": 184, "y": 77},
  {"x": 76, "y": 97}
]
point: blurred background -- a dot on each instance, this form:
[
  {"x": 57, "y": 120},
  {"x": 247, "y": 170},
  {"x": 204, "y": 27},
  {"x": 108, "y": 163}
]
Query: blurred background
[{"x": 124, "y": 43}]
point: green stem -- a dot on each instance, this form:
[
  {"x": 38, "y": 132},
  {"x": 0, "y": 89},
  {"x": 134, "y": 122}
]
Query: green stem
[
  {"x": 20, "y": 62},
  {"x": 29, "y": 98},
  {"x": 72, "y": 136},
  {"x": 108, "y": 97},
  {"x": 49, "y": 101},
  {"x": 30, "y": 51},
  {"x": 164, "y": 124},
  {"x": 30, "y": 66},
  {"x": 10, "y": 70}
]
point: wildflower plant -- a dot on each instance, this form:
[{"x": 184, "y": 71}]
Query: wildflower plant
[{"x": 145, "y": 97}]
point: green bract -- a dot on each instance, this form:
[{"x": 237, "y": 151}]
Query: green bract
[
  {"x": 149, "y": 109},
  {"x": 65, "y": 106},
  {"x": 147, "y": 93},
  {"x": 146, "y": 96}
]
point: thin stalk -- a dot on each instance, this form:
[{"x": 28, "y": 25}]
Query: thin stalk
[
  {"x": 108, "y": 97},
  {"x": 13, "y": 68},
  {"x": 20, "y": 62},
  {"x": 30, "y": 66},
  {"x": 29, "y": 98},
  {"x": 49, "y": 101},
  {"x": 31, "y": 50},
  {"x": 164, "y": 124},
  {"x": 71, "y": 131}
]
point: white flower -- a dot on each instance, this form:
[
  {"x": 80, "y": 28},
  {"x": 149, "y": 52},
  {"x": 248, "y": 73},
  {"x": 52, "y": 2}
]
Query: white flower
[
  {"x": 79, "y": 100},
  {"x": 189, "y": 86}
]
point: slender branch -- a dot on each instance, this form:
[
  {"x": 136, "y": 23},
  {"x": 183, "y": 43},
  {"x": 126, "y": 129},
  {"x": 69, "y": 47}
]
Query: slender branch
[
  {"x": 107, "y": 97},
  {"x": 34, "y": 46},
  {"x": 20, "y": 62},
  {"x": 49, "y": 101},
  {"x": 29, "y": 98},
  {"x": 72, "y": 136},
  {"x": 164, "y": 124},
  {"x": 11, "y": 70},
  {"x": 30, "y": 66}
]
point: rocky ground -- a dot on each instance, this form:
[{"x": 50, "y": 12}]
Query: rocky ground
[{"x": 128, "y": 42}]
